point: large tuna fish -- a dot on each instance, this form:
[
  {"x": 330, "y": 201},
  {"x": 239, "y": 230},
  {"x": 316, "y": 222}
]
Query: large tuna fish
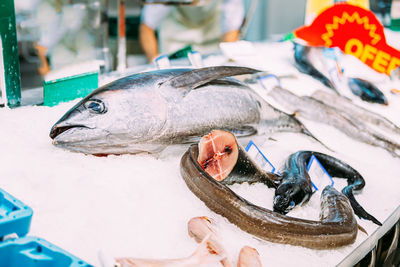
[{"x": 145, "y": 112}]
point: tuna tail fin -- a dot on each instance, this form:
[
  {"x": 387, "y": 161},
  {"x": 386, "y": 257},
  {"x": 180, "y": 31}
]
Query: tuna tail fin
[
  {"x": 202, "y": 255},
  {"x": 305, "y": 131}
]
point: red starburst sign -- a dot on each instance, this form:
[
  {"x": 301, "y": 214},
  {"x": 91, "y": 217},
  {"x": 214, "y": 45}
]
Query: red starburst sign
[{"x": 356, "y": 31}]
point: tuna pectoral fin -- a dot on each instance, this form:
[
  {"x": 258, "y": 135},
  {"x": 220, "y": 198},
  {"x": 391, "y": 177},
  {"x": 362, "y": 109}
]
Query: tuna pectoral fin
[
  {"x": 198, "y": 77},
  {"x": 305, "y": 131}
]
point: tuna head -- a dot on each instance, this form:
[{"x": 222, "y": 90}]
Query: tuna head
[{"x": 112, "y": 121}]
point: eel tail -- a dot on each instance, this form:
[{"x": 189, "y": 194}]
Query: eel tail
[{"x": 358, "y": 210}]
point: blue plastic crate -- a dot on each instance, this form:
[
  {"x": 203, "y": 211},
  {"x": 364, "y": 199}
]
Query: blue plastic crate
[
  {"x": 15, "y": 216},
  {"x": 36, "y": 252}
]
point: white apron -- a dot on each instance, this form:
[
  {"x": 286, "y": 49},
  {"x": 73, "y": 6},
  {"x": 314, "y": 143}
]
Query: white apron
[{"x": 199, "y": 26}]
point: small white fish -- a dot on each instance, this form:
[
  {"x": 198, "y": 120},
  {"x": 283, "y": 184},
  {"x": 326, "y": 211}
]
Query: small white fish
[
  {"x": 201, "y": 227},
  {"x": 201, "y": 257},
  {"x": 249, "y": 257}
]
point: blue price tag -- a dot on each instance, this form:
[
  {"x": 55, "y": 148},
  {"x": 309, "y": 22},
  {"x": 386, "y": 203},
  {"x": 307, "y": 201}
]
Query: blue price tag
[
  {"x": 195, "y": 59},
  {"x": 332, "y": 61},
  {"x": 162, "y": 62},
  {"x": 269, "y": 81},
  {"x": 334, "y": 76},
  {"x": 255, "y": 154},
  {"x": 319, "y": 176},
  {"x": 330, "y": 53}
]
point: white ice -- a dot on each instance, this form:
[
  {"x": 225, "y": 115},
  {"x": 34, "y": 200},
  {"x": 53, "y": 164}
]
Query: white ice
[{"x": 139, "y": 206}]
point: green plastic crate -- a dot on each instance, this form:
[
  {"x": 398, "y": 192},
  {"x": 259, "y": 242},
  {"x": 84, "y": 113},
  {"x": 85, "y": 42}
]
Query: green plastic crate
[
  {"x": 395, "y": 25},
  {"x": 181, "y": 53},
  {"x": 69, "y": 88}
]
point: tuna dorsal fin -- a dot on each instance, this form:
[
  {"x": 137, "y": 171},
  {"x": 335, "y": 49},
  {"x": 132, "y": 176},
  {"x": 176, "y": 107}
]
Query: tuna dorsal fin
[{"x": 198, "y": 77}]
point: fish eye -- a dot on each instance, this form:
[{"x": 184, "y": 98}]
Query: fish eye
[{"x": 96, "y": 106}]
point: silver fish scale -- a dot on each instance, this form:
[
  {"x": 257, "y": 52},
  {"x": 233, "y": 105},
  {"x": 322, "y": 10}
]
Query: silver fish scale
[{"x": 212, "y": 107}]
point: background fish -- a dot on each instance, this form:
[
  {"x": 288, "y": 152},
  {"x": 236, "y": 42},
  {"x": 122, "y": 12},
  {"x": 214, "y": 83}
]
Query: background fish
[
  {"x": 312, "y": 109},
  {"x": 304, "y": 63},
  {"x": 311, "y": 61},
  {"x": 344, "y": 105},
  {"x": 145, "y": 112},
  {"x": 366, "y": 91}
]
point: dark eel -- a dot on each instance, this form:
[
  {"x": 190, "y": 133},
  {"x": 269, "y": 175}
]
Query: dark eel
[
  {"x": 366, "y": 91},
  {"x": 295, "y": 186},
  {"x": 337, "y": 226}
]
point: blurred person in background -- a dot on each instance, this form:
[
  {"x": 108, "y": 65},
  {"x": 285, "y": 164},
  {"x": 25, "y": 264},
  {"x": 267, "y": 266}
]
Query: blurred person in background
[
  {"x": 203, "y": 26},
  {"x": 64, "y": 35}
]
